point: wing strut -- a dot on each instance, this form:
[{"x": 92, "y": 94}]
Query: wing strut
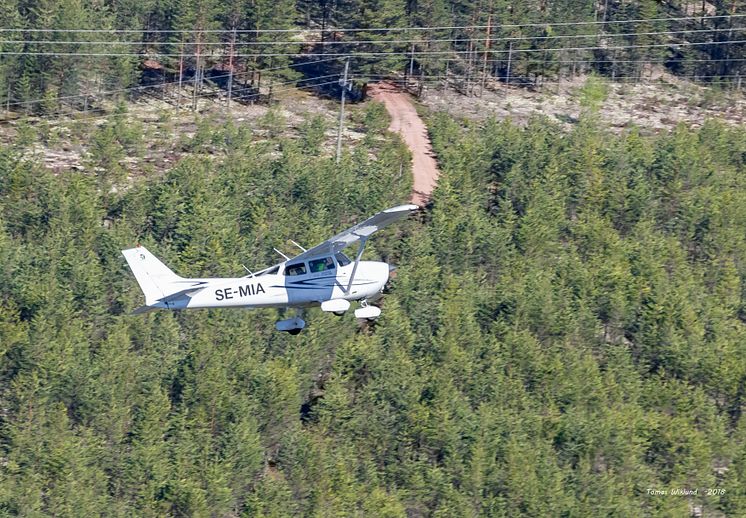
[{"x": 360, "y": 249}]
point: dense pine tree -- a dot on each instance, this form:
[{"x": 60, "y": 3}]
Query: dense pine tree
[
  {"x": 564, "y": 331},
  {"x": 481, "y": 40}
]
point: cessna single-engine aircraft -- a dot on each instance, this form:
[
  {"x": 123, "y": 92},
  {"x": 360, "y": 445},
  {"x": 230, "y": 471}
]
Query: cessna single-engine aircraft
[{"x": 322, "y": 276}]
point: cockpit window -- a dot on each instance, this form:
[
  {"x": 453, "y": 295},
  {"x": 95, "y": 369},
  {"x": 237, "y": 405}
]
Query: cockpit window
[
  {"x": 321, "y": 265},
  {"x": 342, "y": 259},
  {"x": 295, "y": 269}
]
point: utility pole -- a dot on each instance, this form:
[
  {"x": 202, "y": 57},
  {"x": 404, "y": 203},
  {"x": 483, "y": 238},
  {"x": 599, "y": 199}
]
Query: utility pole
[
  {"x": 196, "y": 74},
  {"x": 411, "y": 61},
  {"x": 163, "y": 86},
  {"x": 342, "y": 110},
  {"x": 230, "y": 70},
  {"x": 725, "y": 65},
  {"x": 181, "y": 72},
  {"x": 510, "y": 57},
  {"x": 486, "y": 53},
  {"x": 469, "y": 71}
]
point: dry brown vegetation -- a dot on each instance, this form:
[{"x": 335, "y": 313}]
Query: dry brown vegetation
[{"x": 657, "y": 105}]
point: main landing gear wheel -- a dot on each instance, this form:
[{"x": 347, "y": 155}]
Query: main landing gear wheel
[
  {"x": 291, "y": 326},
  {"x": 336, "y": 306}
]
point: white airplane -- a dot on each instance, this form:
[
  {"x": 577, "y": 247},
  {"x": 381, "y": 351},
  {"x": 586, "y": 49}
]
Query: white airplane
[{"x": 322, "y": 276}]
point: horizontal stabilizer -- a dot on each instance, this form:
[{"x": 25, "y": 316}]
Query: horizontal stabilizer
[
  {"x": 188, "y": 292},
  {"x": 143, "y": 309}
]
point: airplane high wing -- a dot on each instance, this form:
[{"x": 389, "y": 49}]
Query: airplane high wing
[
  {"x": 321, "y": 276},
  {"x": 361, "y": 231}
]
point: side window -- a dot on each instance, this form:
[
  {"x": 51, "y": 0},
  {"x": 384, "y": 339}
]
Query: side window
[
  {"x": 295, "y": 269},
  {"x": 321, "y": 265},
  {"x": 342, "y": 259}
]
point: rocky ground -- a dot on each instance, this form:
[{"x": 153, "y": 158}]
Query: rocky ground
[
  {"x": 657, "y": 104},
  {"x": 63, "y": 143}
]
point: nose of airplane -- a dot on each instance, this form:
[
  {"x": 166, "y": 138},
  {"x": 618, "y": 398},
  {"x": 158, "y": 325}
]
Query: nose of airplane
[
  {"x": 381, "y": 272},
  {"x": 389, "y": 273}
]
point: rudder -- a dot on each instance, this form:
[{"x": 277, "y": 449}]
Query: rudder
[{"x": 156, "y": 280}]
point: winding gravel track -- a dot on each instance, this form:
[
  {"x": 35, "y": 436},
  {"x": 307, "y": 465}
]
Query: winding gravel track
[{"x": 406, "y": 122}]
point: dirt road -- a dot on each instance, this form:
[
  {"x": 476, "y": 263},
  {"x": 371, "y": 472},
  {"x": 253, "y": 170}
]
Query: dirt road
[{"x": 406, "y": 122}]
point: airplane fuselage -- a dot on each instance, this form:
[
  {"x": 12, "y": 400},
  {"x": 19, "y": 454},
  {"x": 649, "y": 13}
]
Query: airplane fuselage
[
  {"x": 320, "y": 276},
  {"x": 279, "y": 289}
]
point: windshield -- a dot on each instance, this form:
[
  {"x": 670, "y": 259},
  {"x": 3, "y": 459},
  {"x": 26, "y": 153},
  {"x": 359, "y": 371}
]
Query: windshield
[{"x": 342, "y": 259}]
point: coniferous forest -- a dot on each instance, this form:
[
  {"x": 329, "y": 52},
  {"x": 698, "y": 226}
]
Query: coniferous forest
[
  {"x": 66, "y": 53},
  {"x": 565, "y": 334}
]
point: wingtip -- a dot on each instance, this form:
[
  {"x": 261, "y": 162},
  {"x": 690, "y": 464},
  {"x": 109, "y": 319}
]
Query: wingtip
[{"x": 409, "y": 207}]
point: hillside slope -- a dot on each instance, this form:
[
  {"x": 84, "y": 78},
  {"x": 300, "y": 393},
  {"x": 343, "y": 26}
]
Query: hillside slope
[{"x": 565, "y": 330}]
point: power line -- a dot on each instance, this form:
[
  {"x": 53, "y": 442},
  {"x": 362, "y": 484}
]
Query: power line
[
  {"x": 428, "y": 79},
  {"x": 596, "y": 61},
  {"x": 294, "y": 87},
  {"x": 377, "y": 42},
  {"x": 372, "y": 29},
  {"x": 442, "y": 77},
  {"x": 627, "y": 80},
  {"x": 162, "y": 85},
  {"x": 387, "y": 53},
  {"x": 167, "y": 83},
  {"x": 262, "y": 70},
  {"x": 202, "y": 95},
  {"x": 333, "y": 57},
  {"x": 211, "y": 78},
  {"x": 617, "y": 22}
]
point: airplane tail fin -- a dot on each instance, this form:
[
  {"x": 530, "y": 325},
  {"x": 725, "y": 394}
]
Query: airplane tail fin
[{"x": 156, "y": 280}]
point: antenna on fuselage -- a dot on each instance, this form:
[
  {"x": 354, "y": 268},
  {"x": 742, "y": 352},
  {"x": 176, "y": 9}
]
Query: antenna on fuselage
[
  {"x": 296, "y": 244},
  {"x": 286, "y": 257}
]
